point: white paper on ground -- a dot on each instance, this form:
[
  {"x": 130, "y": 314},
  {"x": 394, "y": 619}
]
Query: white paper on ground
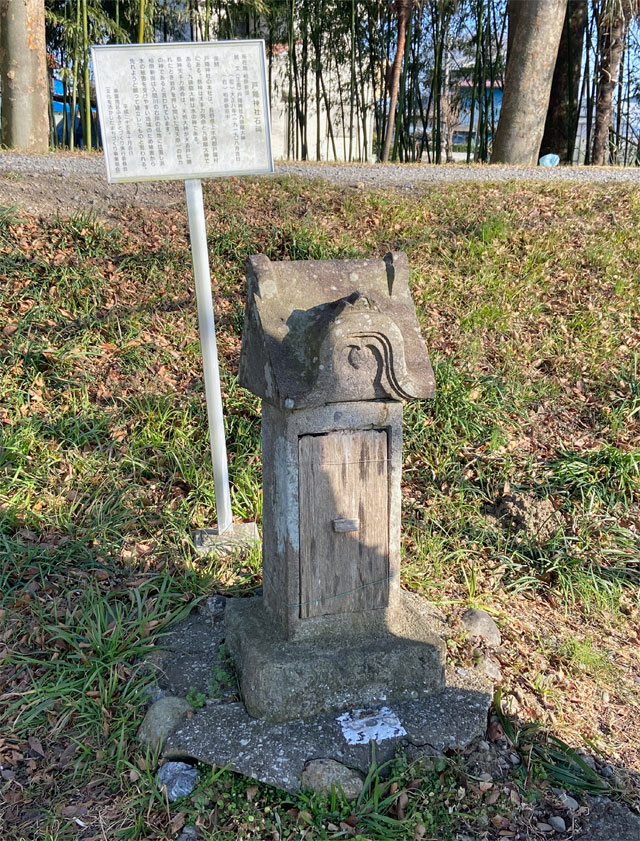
[{"x": 359, "y": 727}]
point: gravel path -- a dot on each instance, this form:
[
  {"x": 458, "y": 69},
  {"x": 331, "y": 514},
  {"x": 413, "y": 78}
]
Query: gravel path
[
  {"x": 65, "y": 183},
  {"x": 412, "y": 175},
  {"x": 396, "y": 175}
]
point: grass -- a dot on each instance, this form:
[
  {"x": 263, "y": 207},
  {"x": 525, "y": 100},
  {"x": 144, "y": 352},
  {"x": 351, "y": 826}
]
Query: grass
[{"x": 529, "y": 300}]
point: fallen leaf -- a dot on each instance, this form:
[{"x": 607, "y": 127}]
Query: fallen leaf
[
  {"x": 178, "y": 822},
  {"x": 74, "y": 811},
  {"x": 401, "y": 805},
  {"x": 35, "y": 745},
  {"x": 495, "y": 731}
]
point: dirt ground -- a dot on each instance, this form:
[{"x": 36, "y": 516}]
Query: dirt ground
[{"x": 63, "y": 194}]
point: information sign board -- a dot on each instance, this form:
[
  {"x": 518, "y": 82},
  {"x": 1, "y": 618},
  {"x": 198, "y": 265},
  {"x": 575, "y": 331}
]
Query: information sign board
[{"x": 183, "y": 110}]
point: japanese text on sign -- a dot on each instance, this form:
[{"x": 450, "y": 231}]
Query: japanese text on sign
[{"x": 183, "y": 110}]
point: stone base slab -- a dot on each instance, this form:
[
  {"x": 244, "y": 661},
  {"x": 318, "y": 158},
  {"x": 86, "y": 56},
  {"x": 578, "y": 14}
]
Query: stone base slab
[
  {"x": 276, "y": 753},
  {"x": 282, "y": 679},
  {"x": 243, "y": 536}
]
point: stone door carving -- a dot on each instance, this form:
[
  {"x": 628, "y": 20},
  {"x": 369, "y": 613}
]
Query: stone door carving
[{"x": 344, "y": 522}]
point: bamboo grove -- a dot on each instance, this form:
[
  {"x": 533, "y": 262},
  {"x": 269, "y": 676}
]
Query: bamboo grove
[{"x": 398, "y": 81}]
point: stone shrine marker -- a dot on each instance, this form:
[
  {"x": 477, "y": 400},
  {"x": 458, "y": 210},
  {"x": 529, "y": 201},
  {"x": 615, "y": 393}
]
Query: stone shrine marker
[
  {"x": 334, "y": 653},
  {"x": 333, "y": 349},
  {"x": 189, "y": 111}
]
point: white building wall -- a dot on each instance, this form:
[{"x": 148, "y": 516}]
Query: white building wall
[{"x": 280, "y": 115}]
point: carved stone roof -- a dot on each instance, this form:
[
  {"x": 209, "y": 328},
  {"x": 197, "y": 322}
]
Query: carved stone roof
[{"x": 319, "y": 332}]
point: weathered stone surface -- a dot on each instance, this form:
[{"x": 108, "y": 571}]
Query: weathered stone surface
[
  {"x": 567, "y": 801},
  {"x": 282, "y": 679},
  {"x": 161, "y": 718},
  {"x": 187, "y": 654},
  {"x": 609, "y": 820},
  {"x": 322, "y": 774},
  {"x": 276, "y": 753},
  {"x": 319, "y": 332},
  {"x": 179, "y": 779},
  {"x": 478, "y": 623}
]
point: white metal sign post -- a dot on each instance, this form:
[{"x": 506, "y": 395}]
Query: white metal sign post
[{"x": 188, "y": 111}]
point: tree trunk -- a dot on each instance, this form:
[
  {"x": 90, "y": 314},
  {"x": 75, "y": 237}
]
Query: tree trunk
[
  {"x": 530, "y": 62},
  {"x": 613, "y": 29},
  {"x": 562, "y": 114},
  {"x": 403, "y": 10},
  {"x": 23, "y": 69}
]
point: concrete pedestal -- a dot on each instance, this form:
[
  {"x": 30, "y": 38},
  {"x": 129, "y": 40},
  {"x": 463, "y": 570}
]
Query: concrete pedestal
[
  {"x": 388, "y": 656},
  {"x": 243, "y": 536}
]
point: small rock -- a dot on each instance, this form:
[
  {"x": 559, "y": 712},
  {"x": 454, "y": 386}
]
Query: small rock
[
  {"x": 606, "y": 697},
  {"x": 321, "y": 774},
  {"x": 558, "y": 823},
  {"x": 187, "y": 834},
  {"x": 491, "y": 669},
  {"x": 153, "y": 693},
  {"x": 589, "y": 760},
  {"x": 607, "y": 771},
  {"x": 568, "y": 802},
  {"x": 213, "y": 607},
  {"x": 484, "y": 745},
  {"x": 162, "y": 719},
  {"x": 178, "y": 778},
  {"x": 514, "y": 759},
  {"x": 478, "y": 623},
  {"x": 544, "y": 827}
]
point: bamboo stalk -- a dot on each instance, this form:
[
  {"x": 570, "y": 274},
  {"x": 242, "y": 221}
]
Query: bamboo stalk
[
  {"x": 476, "y": 71},
  {"x": 140, "y": 22},
  {"x": 87, "y": 83},
  {"x": 74, "y": 92}
]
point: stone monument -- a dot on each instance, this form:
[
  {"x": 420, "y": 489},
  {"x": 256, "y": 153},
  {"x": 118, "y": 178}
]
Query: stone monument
[{"x": 333, "y": 349}]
